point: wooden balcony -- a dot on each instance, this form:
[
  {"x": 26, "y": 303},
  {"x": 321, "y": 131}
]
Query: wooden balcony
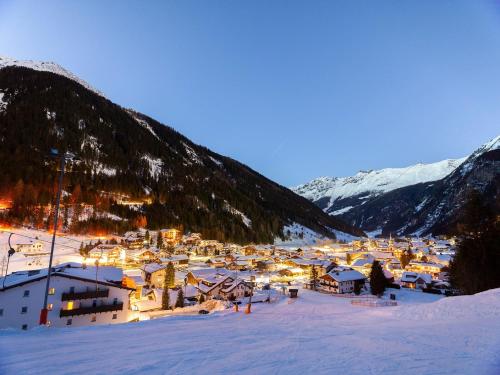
[
  {"x": 91, "y": 310},
  {"x": 85, "y": 295}
]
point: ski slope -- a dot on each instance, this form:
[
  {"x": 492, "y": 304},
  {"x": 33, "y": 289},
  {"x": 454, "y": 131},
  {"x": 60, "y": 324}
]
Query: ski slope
[{"x": 314, "y": 334}]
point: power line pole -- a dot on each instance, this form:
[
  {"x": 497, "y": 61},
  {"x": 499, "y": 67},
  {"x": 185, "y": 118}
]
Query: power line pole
[{"x": 44, "y": 311}]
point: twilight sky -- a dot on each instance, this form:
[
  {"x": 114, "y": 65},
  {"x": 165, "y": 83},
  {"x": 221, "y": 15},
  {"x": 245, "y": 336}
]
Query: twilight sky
[{"x": 294, "y": 89}]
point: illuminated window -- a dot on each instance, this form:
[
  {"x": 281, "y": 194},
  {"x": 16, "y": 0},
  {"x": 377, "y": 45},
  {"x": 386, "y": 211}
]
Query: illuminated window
[
  {"x": 52, "y": 291},
  {"x": 24, "y": 309},
  {"x": 69, "y": 305},
  {"x": 69, "y": 322},
  {"x": 50, "y": 306}
]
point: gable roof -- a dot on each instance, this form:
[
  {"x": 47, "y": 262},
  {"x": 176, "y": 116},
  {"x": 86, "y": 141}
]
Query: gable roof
[
  {"x": 110, "y": 276},
  {"x": 341, "y": 275}
]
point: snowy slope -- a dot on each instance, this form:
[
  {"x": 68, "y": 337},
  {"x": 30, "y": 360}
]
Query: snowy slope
[
  {"x": 313, "y": 334},
  {"x": 45, "y": 67},
  {"x": 374, "y": 182}
]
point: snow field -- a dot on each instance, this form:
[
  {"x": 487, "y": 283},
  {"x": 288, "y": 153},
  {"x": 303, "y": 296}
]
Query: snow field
[{"x": 315, "y": 333}]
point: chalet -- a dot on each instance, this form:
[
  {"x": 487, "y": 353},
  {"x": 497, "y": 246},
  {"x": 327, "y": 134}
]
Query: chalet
[
  {"x": 192, "y": 239},
  {"x": 135, "y": 240},
  {"x": 79, "y": 295},
  {"x": 32, "y": 248},
  {"x": 134, "y": 279},
  {"x": 196, "y": 276},
  {"x": 178, "y": 260},
  {"x": 211, "y": 287},
  {"x": 239, "y": 265},
  {"x": 216, "y": 262},
  {"x": 265, "y": 265},
  {"x": 236, "y": 290},
  {"x": 249, "y": 250},
  {"x": 425, "y": 267},
  {"x": 342, "y": 280},
  {"x": 415, "y": 280},
  {"x": 171, "y": 236},
  {"x": 141, "y": 256},
  {"x": 363, "y": 264},
  {"x": 210, "y": 247},
  {"x": 291, "y": 272},
  {"x": 107, "y": 253}
]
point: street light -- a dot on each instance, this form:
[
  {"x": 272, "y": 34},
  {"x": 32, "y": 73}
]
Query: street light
[
  {"x": 66, "y": 155},
  {"x": 9, "y": 254}
]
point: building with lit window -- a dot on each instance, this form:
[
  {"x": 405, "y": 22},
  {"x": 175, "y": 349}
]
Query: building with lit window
[{"x": 78, "y": 296}]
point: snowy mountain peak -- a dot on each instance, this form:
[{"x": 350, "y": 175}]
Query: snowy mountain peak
[
  {"x": 45, "y": 66},
  {"x": 375, "y": 181},
  {"x": 493, "y": 144}
]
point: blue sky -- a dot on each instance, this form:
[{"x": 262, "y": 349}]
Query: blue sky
[{"x": 294, "y": 89}]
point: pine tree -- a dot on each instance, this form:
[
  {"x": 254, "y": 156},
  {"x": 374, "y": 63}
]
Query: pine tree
[
  {"x": 165, "y": 299},
  {"x": 357, "y": 288},
  {"x": 378, "y": 282},
  {"x": 477, "y": 260},
  {"x": 159, "y": 241},
  {"x": 170, "y": 275},
  {"x": 348, "y": 258},
  {"x": 314, "y": 277},
  {"x": 180, "y": 299}
]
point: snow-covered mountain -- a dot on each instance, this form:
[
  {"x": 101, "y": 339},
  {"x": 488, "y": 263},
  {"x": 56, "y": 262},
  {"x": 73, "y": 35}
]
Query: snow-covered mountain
[
  {"x": 45, "y": 66},
  {"x": 124, "y": 153},
  {"x": 328, "y": 192},
  {"x": 421, "y": 199}
]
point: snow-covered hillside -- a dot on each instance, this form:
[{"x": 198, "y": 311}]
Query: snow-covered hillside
[
  {"x": 370, "y": 183},
  {"x": 313, "y": 334},
  {"x": 44, "y": 66},
  {"x": 299, "y": 235}
]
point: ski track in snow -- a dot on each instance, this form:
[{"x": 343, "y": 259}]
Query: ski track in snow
[{"x": 315, "y": 334}]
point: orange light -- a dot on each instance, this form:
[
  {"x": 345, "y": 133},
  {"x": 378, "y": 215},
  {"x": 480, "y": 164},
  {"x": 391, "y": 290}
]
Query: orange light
[{"x": 5, "y": 204}]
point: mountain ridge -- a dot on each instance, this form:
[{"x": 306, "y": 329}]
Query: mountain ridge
[
  {"x": 372, "y": 183},
  {"x": 124, "y": 152},
  {"x": 430, "y": 206}
]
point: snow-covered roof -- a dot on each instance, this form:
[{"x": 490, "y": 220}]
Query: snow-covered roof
[
  {"x": 233, "y": 285},
  {"x": 411, "y": 277},
  {"x": 153, "y": 267},
  {"x": 341, "y": 275},
  {"x": 104, "y": 274},
  {"x": 362, "y": 262}
]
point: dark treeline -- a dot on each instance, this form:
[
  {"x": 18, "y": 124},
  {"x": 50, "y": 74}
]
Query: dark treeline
[{"x": 476, "y": 265}]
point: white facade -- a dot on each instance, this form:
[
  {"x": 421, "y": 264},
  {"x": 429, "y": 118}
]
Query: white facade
[
  {"x": 341, "y": 281},
  {"x": 81, "y": 305}
]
